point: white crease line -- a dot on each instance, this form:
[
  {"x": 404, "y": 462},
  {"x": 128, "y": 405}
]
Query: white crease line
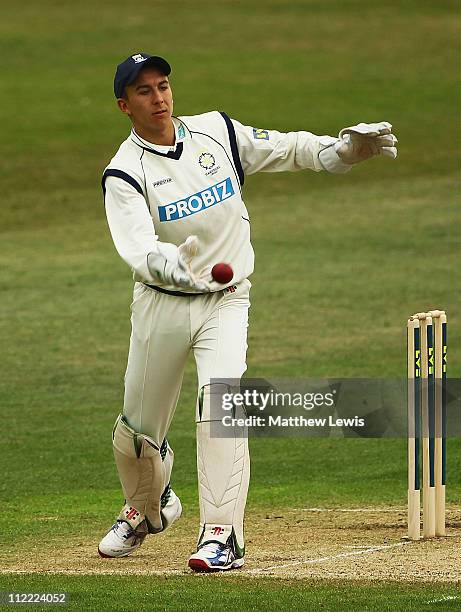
[
  {"x": 444, "y": 598},
  {"x": 89, "y": 572},
  {"x": 358, "y": 547},
  {"x": 396, "y": 509},
  {"x": 322, "y": 559}
]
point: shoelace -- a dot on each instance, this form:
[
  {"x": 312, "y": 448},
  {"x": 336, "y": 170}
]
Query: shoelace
[
  {"x": 130, "y": 531},
  {"x": 213, "y": 548}
]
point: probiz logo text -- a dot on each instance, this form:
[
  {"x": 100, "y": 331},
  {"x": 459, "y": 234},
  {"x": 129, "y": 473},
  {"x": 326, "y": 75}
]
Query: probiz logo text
[{"x": 197, "y": 202}]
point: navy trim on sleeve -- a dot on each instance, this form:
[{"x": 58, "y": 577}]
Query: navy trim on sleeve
[
  {"x": 122, "y": 175},
  {"x": 234, "y": 147}
]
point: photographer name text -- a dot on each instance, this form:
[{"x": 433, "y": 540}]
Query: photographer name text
[{"x": 293, "y": 421}]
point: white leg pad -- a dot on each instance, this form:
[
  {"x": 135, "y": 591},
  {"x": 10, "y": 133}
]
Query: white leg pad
[
  {"x": 144, "y": 469},
  {"x": 223, "y": 466}
]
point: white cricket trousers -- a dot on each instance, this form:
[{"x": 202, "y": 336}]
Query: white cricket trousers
[{"x": 165, "y": 329}]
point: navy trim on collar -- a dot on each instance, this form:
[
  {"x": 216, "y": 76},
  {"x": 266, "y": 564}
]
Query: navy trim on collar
[
  {"x": 176, "y": 154},
  {"x": 234, "y": 147},
  {"x": 122, "y": 175}
]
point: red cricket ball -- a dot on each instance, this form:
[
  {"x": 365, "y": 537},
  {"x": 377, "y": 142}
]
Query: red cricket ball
[{"x": 222, "y": 273}]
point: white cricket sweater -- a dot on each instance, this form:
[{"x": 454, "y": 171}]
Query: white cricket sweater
[{"x": 155, "y": 194}]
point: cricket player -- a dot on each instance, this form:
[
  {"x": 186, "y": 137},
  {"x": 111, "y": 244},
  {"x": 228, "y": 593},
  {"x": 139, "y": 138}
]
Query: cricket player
[{"x": 174, "y": 205}]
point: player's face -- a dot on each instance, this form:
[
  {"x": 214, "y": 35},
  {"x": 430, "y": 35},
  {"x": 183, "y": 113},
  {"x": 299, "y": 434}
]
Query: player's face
[{"x": 149, "y": 103}]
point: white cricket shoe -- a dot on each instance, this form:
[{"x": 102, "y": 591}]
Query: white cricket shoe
[
  {"x": 130, "y": 529},
  {"x": 214, "y": 557},
  {"x": 122, "y": 539},
  {"x": 171, "y": 511}
]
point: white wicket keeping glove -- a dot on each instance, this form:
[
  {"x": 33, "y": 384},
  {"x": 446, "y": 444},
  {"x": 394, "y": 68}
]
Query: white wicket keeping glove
[
  {"x": 365, "y": 140},
  {"x": 172, "y": 266}
]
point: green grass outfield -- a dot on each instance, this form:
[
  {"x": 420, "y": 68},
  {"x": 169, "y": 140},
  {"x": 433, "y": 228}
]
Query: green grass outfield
[
  {"x": 341, "y": 261},
  {"x": 219, "y": 593}
]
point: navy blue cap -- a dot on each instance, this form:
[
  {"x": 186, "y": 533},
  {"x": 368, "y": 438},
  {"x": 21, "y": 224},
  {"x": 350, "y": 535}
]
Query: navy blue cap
[{"x": 128, "y": 70}]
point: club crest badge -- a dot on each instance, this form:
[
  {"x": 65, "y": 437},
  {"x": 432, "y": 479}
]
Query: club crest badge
[{"x": 207, "y": 161}]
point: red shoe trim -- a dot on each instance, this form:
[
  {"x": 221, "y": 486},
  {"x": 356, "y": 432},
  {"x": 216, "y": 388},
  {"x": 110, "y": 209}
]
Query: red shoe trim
[
  {"x": 198, "y": 565},
  {"x": 101, "y": 554}
]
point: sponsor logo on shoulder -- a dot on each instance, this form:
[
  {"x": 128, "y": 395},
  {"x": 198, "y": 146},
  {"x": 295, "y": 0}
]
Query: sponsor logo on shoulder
[
  {"x": 181, "y": 131},
  {"x": 260, "y": 134},
  {"x": 197, "y": 202},
  {"x": 163, "y": 181}
]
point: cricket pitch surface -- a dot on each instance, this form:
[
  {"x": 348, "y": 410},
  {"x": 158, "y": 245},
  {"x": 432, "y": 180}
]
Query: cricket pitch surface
[{"x": 296, "y": 543}]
